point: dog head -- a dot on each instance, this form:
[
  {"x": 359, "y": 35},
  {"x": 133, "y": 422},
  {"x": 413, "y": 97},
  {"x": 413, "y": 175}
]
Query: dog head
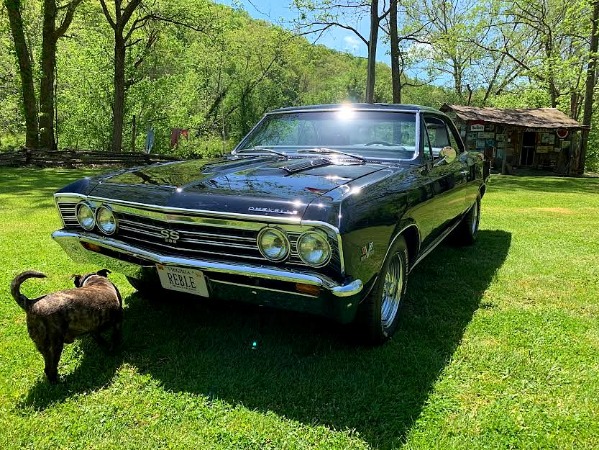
[{"x": 80, "y": 280}]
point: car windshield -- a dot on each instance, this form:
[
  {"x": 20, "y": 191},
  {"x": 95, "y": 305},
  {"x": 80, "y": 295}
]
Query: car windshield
[{"x": 366, "y": 134}]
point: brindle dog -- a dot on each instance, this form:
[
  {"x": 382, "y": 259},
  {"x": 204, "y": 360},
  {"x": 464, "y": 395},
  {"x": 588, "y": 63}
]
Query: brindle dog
[{"x": 93, "y": 306}]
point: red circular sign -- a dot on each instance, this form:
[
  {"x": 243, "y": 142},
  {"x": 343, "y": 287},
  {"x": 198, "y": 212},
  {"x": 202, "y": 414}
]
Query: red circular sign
[{"x": 562, "y": 133}]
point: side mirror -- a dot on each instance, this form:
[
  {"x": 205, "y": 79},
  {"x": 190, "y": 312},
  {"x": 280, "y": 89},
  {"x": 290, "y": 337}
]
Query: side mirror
[{"x": 448, "y": 154}]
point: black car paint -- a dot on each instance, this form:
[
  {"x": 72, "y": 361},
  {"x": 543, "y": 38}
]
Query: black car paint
[{"x": 369, "y": 203}]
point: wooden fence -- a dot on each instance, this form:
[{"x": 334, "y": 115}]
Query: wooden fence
[{"x": 77, "y": 158}]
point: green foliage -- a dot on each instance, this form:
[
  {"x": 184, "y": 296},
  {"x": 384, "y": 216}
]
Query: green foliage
[
  {"x": 11, "y": 117},
  {"x": 197, "y": 147},
  {"x": 592, "y": 161},
  {"x": 215, "y": 71}
]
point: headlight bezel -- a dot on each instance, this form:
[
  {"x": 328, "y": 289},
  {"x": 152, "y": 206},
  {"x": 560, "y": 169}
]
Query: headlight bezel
[
  {"x": 281, "y": 234},
  {"x": 324, "y": 239},
  {"x": 90, "y": 208},
  {"x": 99, "y": 211}
]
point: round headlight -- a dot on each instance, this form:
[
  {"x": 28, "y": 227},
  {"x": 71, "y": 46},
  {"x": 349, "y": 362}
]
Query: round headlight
[
  {"x": 85, "y": 216},
  {"x": 273, "y": 244},
  {"x": 314, "y": 249},
  {"x": 105, "y": 220}
]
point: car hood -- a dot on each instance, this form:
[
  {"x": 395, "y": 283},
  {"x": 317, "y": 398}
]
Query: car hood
[{"x": 268, "y": 186}]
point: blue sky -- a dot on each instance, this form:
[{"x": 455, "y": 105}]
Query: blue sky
[{"x": 281, "y": 13}]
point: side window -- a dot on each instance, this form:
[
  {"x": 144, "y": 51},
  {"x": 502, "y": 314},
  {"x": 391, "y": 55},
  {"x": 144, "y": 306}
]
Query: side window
[
  {"x": 427, "y": 152},
  {"x": 454, "y": 139},
  {"x": 437, "y": 135}
]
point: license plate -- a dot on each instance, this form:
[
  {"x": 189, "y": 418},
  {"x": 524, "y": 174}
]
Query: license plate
[{"x": 190, "y": 281}]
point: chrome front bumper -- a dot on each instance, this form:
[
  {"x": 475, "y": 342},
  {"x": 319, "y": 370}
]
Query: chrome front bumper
[{"x": 131, "y": 261}]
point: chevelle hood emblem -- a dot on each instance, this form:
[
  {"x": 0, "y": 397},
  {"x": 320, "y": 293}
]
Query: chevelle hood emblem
[{"x": 271, "y": 210}]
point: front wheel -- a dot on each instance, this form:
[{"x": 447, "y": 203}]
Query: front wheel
[{"x": 379, "y": 314}]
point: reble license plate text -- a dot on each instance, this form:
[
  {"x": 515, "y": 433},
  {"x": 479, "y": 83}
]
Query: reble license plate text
[{"x": 183, "y": 279}]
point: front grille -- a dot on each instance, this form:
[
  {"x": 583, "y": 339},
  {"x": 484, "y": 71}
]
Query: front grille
[
  {"x": 207, "y": 241},
  {"x": 68, "y": 212},
  {"x": 197, "y": 236}
]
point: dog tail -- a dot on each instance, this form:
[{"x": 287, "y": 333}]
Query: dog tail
[{"x": 15, "y": 287}]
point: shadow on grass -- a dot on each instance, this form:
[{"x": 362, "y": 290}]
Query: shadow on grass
[{"x": 297, "y": 366}]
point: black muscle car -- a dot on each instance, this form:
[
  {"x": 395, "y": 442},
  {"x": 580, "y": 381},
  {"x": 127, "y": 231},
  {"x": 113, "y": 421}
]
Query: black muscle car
[{"x": 324, "y": 209}]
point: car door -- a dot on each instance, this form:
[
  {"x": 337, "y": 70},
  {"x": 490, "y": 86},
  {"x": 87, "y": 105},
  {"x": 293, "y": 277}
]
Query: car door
[{"x": 446, "y": 178}]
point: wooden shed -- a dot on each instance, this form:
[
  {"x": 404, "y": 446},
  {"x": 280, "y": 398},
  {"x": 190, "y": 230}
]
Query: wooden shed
[{"x": 540, "y": 138}]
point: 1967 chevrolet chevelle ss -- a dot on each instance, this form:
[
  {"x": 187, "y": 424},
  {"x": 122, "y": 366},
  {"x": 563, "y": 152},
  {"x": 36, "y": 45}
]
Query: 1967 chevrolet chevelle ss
[{"x": 324, "y": 209}]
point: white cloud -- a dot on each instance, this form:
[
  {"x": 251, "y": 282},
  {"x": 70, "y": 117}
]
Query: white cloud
[
  {"x": 352, "y": 43},
  {"x": 420, "y": 50}
]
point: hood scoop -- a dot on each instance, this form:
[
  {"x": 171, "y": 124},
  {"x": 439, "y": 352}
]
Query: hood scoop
[{"x": 306, "y": 164}]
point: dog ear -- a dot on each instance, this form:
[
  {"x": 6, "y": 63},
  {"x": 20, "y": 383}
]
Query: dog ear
[
  {"x": 77, "y": 280},
  {"x": 103, "y": 273}
]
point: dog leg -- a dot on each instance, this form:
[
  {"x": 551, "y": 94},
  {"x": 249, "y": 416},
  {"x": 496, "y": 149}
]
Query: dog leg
[
  {"x": 103, "y": 343},
  {"x": 117, "y": 336},
  {"x": 51, "y": 358},
  {"x": 117, "y": 329}
]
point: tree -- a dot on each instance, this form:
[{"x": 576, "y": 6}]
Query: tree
[
  {"x": 548, "y": 45},
  {"x": 50, "y": 35},
  {"x": 400, "y": 45},
  {"x": 318, "y": 17},
  {"x": 25, "y": 61},
  {"x": 591, "y": 82},
  {"x": 395, "y": 53},
  {"x": 122, "y": 38},
  {"x": 449, "y": 30}
]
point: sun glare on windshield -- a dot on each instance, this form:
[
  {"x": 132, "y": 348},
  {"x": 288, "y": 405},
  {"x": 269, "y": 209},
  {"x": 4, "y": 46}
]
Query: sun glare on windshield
[{"x": 346, "y": 112}]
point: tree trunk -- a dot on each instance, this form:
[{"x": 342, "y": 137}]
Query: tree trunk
[
  {"x": 121, "y": 37},
  {"x": 48, "y": 64},
  {"x": 374, "y": 33},
  {"x": 13, "y": 8},
  {"x": 394, "y": 38},
  {"x": 591, "y": 80},
  {"x": 118, "y": 111}
]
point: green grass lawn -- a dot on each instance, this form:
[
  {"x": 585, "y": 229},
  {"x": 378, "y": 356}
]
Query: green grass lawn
[{"x": 498, "y": 348}]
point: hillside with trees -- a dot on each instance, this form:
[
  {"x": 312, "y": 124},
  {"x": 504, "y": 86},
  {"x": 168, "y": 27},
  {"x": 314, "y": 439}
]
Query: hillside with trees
[{"x": 102, "y": 75}]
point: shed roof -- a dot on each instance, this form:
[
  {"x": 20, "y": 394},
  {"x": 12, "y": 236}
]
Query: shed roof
[{"x": 529, "y": 118}]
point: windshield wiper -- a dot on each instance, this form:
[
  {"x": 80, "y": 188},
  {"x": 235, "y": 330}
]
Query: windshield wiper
[
  {"x": 263, "y": 149},
  {"x": 324, "y": 150}
]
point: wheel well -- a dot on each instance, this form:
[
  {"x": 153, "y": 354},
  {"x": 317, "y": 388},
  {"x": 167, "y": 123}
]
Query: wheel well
[{"x": 412, "y": 237}]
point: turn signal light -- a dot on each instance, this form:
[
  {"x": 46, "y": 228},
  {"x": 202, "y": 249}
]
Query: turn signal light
[
  {"x": 308, "y": 289},
  {"x": 92, "y": 247}
]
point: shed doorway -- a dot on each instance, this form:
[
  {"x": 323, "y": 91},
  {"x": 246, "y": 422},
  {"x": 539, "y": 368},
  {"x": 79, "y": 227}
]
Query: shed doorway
[{"x": 527, "y": 155}]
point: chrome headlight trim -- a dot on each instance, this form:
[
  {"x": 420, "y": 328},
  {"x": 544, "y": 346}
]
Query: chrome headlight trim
[
  {"x": 107, "y": 224},
  {"x": 326, "y": 248},
  {"x": 278, "y": 233},
  {"x": 87, "y": 222}
]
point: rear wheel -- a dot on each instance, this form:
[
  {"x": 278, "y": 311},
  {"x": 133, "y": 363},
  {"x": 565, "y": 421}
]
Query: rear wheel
[
  {"x": 379, "y": 314},
  {"x": 466, "y": 232}
]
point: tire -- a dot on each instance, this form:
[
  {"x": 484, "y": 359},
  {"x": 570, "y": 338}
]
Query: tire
[
  {"x": 379, "y": 314},
  {"x": 467, "y": 231}
]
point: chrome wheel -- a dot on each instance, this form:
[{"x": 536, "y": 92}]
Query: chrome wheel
[
  {"x": 475, "y": 217},
  {"x": 378, "y": 316},
  {"x": 392, "y": 291}
]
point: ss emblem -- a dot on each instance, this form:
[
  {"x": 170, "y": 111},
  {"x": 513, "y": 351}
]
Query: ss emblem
[{"x": 170, "y": 236}]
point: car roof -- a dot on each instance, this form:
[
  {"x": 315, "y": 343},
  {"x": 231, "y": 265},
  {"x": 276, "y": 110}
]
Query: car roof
[{"x": 358, "y": 106}]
